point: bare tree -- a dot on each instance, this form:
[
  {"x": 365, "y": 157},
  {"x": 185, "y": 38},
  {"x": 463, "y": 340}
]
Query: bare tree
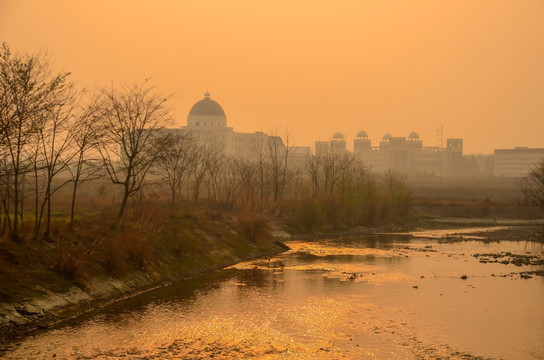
[
  {"x": 279, "y": 157},
  {"x": 180, "y": 153},
  {"x": 333, "y": 164},
  {"x": 532, "y": 187},
  {"x": 85, "y": 137},
  {"x": 55, "y": 141},
  {"x": 397, "y": 191},
  {"x": 248, "y": 178},
  {"x": 312, "y": 170},
  {"x": 259, "y": 162},
  {"x": 5, "y": 193},
  {"x": 28, "y": 92},
  {"x": 130, "y": 119},
  {"x": 231, "y": 180},
  {"x": 199, "y": 170},
  {"x": 214, "y": 163}
]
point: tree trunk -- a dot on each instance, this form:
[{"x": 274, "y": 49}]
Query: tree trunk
[
  {"x": 123, "y": 205},
  {"x": 48, "y": 219},
  {"x": 73, "y": 206},
  {"x": 15, "y": 231}
]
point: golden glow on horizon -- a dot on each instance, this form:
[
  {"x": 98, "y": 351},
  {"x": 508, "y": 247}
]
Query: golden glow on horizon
[{"x": 315, "y": 67}]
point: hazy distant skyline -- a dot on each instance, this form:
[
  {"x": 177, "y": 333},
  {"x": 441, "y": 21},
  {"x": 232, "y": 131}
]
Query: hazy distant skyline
[{"x": 314, "y": 67}]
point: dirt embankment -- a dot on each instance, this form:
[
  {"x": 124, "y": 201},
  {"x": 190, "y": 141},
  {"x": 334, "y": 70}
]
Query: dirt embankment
[{"x": 42, "y": 283}]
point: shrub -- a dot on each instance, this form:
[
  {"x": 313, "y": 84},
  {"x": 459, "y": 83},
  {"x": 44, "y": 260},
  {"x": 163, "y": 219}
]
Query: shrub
[
  {"x": 307, "y": 214},
  {"x": 115, "y": 257},
  {"x": 253, "y": 226},
  {"x": 130, "y": 243},
  {"x": 140, "y": 251},
  {"x": 70, "y": 263}
]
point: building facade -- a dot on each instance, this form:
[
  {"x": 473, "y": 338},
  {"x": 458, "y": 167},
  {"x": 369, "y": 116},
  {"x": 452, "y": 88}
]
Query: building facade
[
  {"x": 407, "y": 155},
  {"x": 517, "y": 162},
  {"x": 207, "y": 122}
]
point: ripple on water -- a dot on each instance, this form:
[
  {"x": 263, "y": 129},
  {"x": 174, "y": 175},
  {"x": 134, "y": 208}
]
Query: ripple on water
[{"x": 330, "y": 299}]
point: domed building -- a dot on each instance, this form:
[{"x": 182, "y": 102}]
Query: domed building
[
  {"x": 408, "y": 155},
  {"x": 207, "y": 122},
  {"x": 362, "y": 135},
  {"x": 413, "y": 140},
  {"x": 207, "y": 113},
  {"x": 338, "y": 142},
  {"x": 386, "y": 140},
  {"x": 361, "y": 142}
]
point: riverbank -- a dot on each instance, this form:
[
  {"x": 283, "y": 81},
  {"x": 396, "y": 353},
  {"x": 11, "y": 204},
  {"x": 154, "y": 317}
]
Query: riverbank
[
  {"x": 496, "y": 229},
  {"x": 386, "y": 295},
  {"x": 43, "y": 283},
  {"x": 189, "y": 245}
]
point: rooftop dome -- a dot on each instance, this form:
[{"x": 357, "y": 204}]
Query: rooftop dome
[
  {"x": 207, "y": 106},
  {"x": 387, "y": 137},
  {"x": 338, "y": 136},
  {"x": 413, "y": 136},
  {"x": 362, "y": 134}
]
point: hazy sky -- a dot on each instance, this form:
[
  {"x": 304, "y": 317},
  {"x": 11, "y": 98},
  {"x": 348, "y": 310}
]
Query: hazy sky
[{"x": 314, "y": 67}]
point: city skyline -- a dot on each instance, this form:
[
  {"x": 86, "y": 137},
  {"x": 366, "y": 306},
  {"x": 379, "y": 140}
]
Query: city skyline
[{"x": 313, "y": 68}]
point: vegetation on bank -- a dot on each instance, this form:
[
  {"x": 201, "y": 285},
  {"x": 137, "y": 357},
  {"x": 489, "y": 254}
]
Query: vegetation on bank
[
  {"x": 91, "y": 183},
  {"x": 166, "y": 244}
]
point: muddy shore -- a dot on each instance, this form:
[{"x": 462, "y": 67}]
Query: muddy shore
[
  {"x": 20, "y": 319},
  {"x": 496, "y": 230}
]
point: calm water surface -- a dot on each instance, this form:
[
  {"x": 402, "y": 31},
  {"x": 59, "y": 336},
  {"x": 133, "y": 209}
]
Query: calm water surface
[{"x": 349, "y": 298}]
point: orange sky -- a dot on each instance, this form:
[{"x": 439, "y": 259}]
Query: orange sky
[{"x": 315, "y": 66}]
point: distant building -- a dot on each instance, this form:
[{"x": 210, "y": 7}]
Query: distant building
[
  {"x": 207, "y": 122},
  {"x": 407, "y": 155},
  {"x": 477, "y": 166},
  {"x": 338, "y": 142},
  {"x": 516, "y": 162},
  {"x": 321, "y": 146}
]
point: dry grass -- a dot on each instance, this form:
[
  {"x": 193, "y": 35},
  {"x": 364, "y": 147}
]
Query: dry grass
[
  {"x": 115, "y": 253},
  {"x": 70, "y": 263},
  {"x": 253, "y": 226},
  {"x": 153, "y": 235},
  {"x": 131, "y": 242}
]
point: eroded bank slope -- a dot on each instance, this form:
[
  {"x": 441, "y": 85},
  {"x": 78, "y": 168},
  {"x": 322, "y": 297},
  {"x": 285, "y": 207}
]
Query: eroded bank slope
[{"x": 42, "y": 283}]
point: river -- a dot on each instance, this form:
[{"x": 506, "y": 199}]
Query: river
[{"x": 364, "y": 297}]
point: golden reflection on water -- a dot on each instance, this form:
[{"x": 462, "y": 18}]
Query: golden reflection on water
[
  {"x": 464, "y": 232},
  {"x": 330, "y": 248},
  {"x": 326, "y": 300}
]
